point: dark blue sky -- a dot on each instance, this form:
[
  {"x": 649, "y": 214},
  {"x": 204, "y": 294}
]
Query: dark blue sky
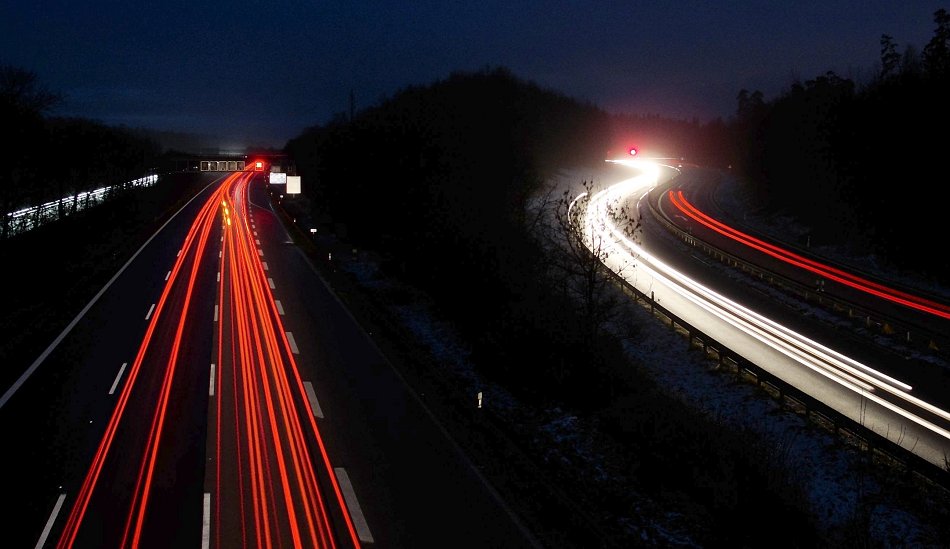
[{"x": 259, "y": 73}]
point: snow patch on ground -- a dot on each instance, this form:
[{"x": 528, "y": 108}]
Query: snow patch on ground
[{"x": 831, "y": 470}]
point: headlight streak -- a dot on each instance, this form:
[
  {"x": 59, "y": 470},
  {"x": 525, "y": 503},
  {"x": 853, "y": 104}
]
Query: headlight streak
[
  {"x": 613, "y": 236},
  {"x": 827, "y": 271},
  {"x": 792, "y": 344}
]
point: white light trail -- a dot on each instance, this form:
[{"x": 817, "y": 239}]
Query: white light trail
[{"x": 845, "y": 371}]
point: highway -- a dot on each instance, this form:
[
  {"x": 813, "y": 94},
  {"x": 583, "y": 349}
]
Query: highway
[
  {"x": 859, "y": 380},
  {"x": 217, "y": 394}
]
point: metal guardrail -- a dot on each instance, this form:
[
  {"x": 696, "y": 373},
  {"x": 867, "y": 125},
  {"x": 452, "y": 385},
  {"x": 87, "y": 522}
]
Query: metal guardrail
[
  {"x": 912, "y": 336},
  {"x": 792, "y": 398},
  {"x": 25, "y": 219}
]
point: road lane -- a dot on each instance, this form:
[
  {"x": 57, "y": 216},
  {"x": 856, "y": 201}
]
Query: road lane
[
  {"x": 913, "y": 425},
  {"x": 414, "y": 485}
]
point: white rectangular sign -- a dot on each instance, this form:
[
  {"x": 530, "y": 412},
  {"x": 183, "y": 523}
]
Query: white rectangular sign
[
  {"x": 293, "y": 184},
  {"x": 278, "y": 178}
]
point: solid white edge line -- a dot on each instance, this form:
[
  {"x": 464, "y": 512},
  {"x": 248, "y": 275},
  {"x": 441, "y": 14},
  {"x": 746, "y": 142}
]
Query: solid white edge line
[
  {"x": 293, "y": 344},
  {"x": 206, "y": 521},
  {"x": 150, "y": 310},
  {"x": 312, "y": 397},
  {"x": 118, "y": 377},
  {"x": 359, "y": 521},
  {"x": 49, "y": 523},
  {"x": 62, "y": 335},
  {"x": 211, "y": 381},
  {"x": 280, "y": 308}
]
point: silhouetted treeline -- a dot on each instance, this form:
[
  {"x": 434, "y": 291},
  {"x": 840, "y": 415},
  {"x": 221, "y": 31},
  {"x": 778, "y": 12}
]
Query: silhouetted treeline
[
  {"x": 49, "y": 157},
  {"x": 439, "y": 178},
  {"x": 862, "y": 161}
]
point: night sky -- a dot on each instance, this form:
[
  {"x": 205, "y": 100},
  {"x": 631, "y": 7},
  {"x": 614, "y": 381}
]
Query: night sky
[{"x": 257, "y": 73}]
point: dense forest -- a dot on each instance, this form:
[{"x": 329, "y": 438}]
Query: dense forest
[
  {"x": 858, "y": 161},
  {"x": 443, "y": 178},
  {"x": 440, "y": 178}
]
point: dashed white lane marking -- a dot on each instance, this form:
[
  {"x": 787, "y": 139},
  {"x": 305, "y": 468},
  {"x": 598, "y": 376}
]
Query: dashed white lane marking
[
  {"x": 280, "y": 308},
  {"x": 206, "y": 522},
  {"x": 150, "y": 309},
  {"x": 49, "y": 523},
  {"x": 219, "y": 276},
  {"x": 260, "y": 252},
  {"x": 178, "y": 254},
  {"x": 211, "y": 381},
  {"x": 359, "y": 521},
  {"x": 118, "y": 377},
  {"x": 257, "y": 240},
  {"x": 168, "y": 275},
  {"x": 215, "y": 313},
  {"x": 293, "y": 344},
  {"x": 264, "y": 263},
  {"x": 270, "y": 282},
  {"x": 312, "y": 397}
]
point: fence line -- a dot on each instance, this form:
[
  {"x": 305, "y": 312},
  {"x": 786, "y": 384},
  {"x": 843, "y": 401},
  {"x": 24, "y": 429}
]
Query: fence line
[
  {"x": 788, "y": 395},
  {"x": 25, "y": 219}
]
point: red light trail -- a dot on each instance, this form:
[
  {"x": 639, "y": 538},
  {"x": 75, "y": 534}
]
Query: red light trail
[
  {"x": 829, "y": 272},
  {"x": 268, "y": 487}
]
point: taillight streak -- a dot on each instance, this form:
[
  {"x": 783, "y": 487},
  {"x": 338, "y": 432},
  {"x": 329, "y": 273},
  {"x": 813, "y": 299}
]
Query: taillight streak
[
  {"x": 80, "y": 505},
  {"x": 144, "y": 483},
  {"x": 827, "y": 271},
  {"x": 806, "y": 351},
  {"x": 265, "y": 400}
]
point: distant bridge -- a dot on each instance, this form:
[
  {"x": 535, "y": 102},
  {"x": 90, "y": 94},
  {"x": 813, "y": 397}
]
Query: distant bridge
[{"x": 222, "y": 165}]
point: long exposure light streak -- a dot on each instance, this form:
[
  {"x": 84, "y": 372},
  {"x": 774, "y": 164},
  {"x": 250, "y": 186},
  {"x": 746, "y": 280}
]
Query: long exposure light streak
[
  {"x": 263, "y": 451},
  {"x": 274, "y": 463},
  {"x": 831, "y": 364},
  {"x": 827, "y": 271},
  {"x": 80, "y": 505}
]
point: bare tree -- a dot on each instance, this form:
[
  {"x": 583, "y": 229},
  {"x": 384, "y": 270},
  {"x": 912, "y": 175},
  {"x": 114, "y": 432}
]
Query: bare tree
[
  {"x": 580, "y": 249},
  {"x": 23, "y": 102},
  {"x": 20, "y": 88}
]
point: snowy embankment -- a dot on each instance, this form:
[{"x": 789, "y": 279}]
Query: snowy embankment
[{"x": 842, "y": 492}]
